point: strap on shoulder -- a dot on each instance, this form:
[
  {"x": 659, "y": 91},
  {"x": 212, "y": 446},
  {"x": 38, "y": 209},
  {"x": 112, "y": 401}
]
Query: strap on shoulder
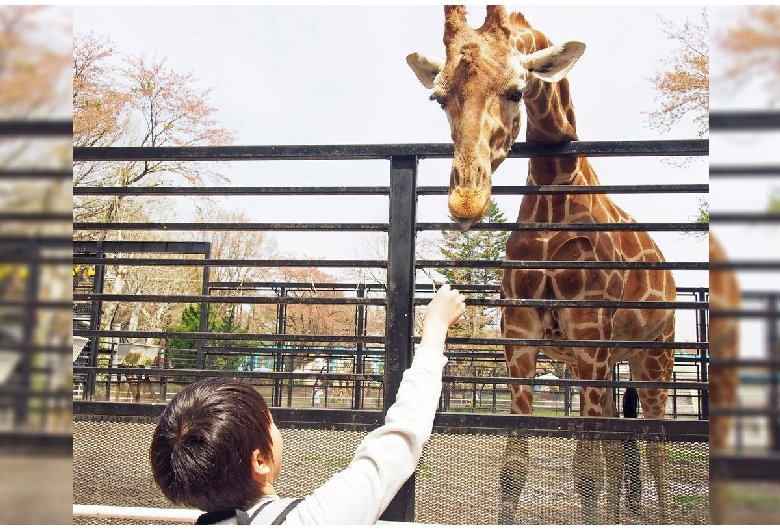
[
  {"x": 215, "y": 517},
  {"x": 252, "y": 518},
  {"x": 282, "y": 516},
  {"x": 242, "y": 517}
]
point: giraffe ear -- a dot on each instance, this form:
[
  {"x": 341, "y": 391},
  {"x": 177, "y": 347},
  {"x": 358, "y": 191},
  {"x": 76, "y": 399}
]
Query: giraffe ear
[
  {"x": 553, "y": 63},
  {"x": 426, "y": 68}
]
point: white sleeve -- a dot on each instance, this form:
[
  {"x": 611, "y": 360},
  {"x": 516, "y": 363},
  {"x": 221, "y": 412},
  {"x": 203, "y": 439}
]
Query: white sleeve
[{"x": 386, "y": 457}]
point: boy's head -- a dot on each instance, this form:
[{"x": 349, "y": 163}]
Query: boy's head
[{"x": 207, "y": 444}]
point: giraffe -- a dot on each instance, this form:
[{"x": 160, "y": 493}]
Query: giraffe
[
  {"x": 481, "y": 84},
  {"x": 723, "y": 341}
]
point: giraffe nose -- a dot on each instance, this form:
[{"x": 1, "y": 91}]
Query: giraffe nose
[{"x": 470, "y": 179}]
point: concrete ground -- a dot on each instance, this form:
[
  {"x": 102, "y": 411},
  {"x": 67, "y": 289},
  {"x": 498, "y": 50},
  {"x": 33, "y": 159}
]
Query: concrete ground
[{"x": 36, "y": 490}]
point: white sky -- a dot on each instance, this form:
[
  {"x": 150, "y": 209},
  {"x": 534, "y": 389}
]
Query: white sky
[
  {"x": 744, "y": 241},
  {"x": 337, "y": 75}
]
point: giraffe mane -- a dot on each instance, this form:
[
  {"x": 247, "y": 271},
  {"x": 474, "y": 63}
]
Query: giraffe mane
[{"x": 518, "y": 19}]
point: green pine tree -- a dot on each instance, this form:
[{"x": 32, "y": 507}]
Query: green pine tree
[
  {"x": 476, "y": 245},
  {"x": 183, "y": 351}
]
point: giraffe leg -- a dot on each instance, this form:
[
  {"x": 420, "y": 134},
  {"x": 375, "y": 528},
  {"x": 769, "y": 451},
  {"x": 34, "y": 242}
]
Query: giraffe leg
[
  {"x": 517, "y": 323},
  {"x": 592, "y": 364},
  {"x": 615, "y": 464},
  {"x": 589, "y": 475},
  {"x": 514, "y": 473},
  {"x": 655, "y": 365}
]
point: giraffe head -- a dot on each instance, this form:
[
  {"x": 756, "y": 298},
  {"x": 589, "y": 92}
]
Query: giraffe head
[{"x": 480, "y": 85}]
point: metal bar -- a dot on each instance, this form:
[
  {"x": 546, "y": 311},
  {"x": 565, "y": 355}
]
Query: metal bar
[
  {"x": 243, "y": 191},
  {"x": 203, "y": 325},
  {"x": 579, "y": 190},
  {"x": 157, "y": 247},
  {"x": 120, "y": 191},
  {"x": 319, "y": 300},
  {"x": 518, "y": 264},
  {"x": 247, "y": 227},
  {"x": 383, "y": 227},
  {"x": 729, "y": 171},
  {"x": 741, "y": 120},
  {"x": 350, "y": 264},
  {"x": 744, "y": 217},
  {"x": 692, "y": 431},
  {"x": 746, "y": 265},
  {"x": 36, "y": 443},
  {"x": 171, "y": 373},
  {"x": 400, "y": 308},
  {"x": 377, "y": 264},
  {"x": 95, "y": 312},
  {"x": 751, "y": 468},
  {"x": 773, "y": 349},
  {"x": 567, "y": 227},
  {"x": 38, "y": 217},
  {"x": 378, "y": 339},
  {"x": 39, "y": 128},
  {"x": 387, "y": 151},
  {"x": 35, "y": 174}
]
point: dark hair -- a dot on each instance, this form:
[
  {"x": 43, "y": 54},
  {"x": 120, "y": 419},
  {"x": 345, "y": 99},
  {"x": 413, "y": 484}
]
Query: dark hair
[{"x": 204, "y": 440}]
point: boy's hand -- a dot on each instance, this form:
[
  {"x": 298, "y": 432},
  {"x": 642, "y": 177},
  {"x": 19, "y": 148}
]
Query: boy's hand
[{"x": 444, "y": 309}]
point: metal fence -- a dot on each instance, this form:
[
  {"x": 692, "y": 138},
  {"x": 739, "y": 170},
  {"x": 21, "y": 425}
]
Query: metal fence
[
  {"x": 754, "y": 453},
  {"x": 35, "y": 401},
  {"x": 109, "y": 392}
]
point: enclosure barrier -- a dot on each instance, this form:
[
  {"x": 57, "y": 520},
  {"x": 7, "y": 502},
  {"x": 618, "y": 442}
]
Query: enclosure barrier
[
  {"x": 99, "y": 419},
  {"x": 761, "y": 375},
  {"x": 35, "y": 403}
]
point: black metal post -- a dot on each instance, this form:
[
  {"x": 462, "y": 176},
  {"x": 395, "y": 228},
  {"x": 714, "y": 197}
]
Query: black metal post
[
  {"x": 95, "y": 312},
  {"x": 200, "y": 359},
  {"x": 702, "y": 335},
  {"x": 773, "y": 348},
  {"x": 24, "y": 370},
  {"x": 281, "y": 329},
  {"x": 400, "y": 302},
  {"x": 360, "y": 324}
]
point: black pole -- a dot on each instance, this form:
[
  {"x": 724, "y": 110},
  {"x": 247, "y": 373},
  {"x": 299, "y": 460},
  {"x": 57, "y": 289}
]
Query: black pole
[
  {"x": 95, "y": 312},
  {"x": 203, "y": 325},
  {"x": 360, "y": 324},
  {"x": 400, "y": 306}
]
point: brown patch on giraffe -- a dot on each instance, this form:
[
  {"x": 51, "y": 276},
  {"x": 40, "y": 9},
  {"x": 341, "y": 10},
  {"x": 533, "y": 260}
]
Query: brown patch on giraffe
[
  {"x": 603, "y": 355},
  {"x": 542, "y": 210},
  {"x": 569, "y": 283},
  {"x": 595, "y": 280},
  {"x": 629, "y": 244}
]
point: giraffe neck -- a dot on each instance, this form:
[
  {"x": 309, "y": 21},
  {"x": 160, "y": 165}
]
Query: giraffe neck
[{"x": 550, "y": 118}]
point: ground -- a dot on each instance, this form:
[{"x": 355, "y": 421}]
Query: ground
[{"x": 111, "y": 467}]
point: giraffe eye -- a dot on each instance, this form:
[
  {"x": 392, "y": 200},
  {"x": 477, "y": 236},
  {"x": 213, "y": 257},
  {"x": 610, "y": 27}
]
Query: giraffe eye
[
  {"x": 438, "y": 99},
  {"x": 515, "y": 95}
]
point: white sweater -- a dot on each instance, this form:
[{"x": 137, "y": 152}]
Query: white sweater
[{"x": 384, "y": 460}]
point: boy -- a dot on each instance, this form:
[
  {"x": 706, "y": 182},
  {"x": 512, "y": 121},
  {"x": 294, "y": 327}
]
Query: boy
[{"x": 217, "y": 449}]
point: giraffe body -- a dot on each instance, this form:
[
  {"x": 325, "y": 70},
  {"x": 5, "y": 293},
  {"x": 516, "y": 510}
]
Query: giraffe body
[{"x": 482, "y": 84}]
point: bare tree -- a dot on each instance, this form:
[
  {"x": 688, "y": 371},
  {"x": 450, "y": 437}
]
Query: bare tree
[
  {"x": 135, "y": 101},
  {"x": 682, "y": 84},
  {"x": 751, "y": 49}
]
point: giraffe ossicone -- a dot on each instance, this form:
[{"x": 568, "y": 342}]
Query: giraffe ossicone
[{"x": 486, "y": 78}]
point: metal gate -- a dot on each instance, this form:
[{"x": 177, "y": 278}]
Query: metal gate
[
  {"x": 753, "y": 458},
  {"x": 124, "y": 400}
]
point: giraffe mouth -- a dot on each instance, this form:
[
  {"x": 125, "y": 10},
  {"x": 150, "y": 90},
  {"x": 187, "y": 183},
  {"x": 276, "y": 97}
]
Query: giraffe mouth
[{"x": 466, "y": 223}]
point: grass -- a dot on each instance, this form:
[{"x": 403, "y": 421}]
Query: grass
[
  {"x": 676, "y": 455},
  {"x": 687, "y": 503}
]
